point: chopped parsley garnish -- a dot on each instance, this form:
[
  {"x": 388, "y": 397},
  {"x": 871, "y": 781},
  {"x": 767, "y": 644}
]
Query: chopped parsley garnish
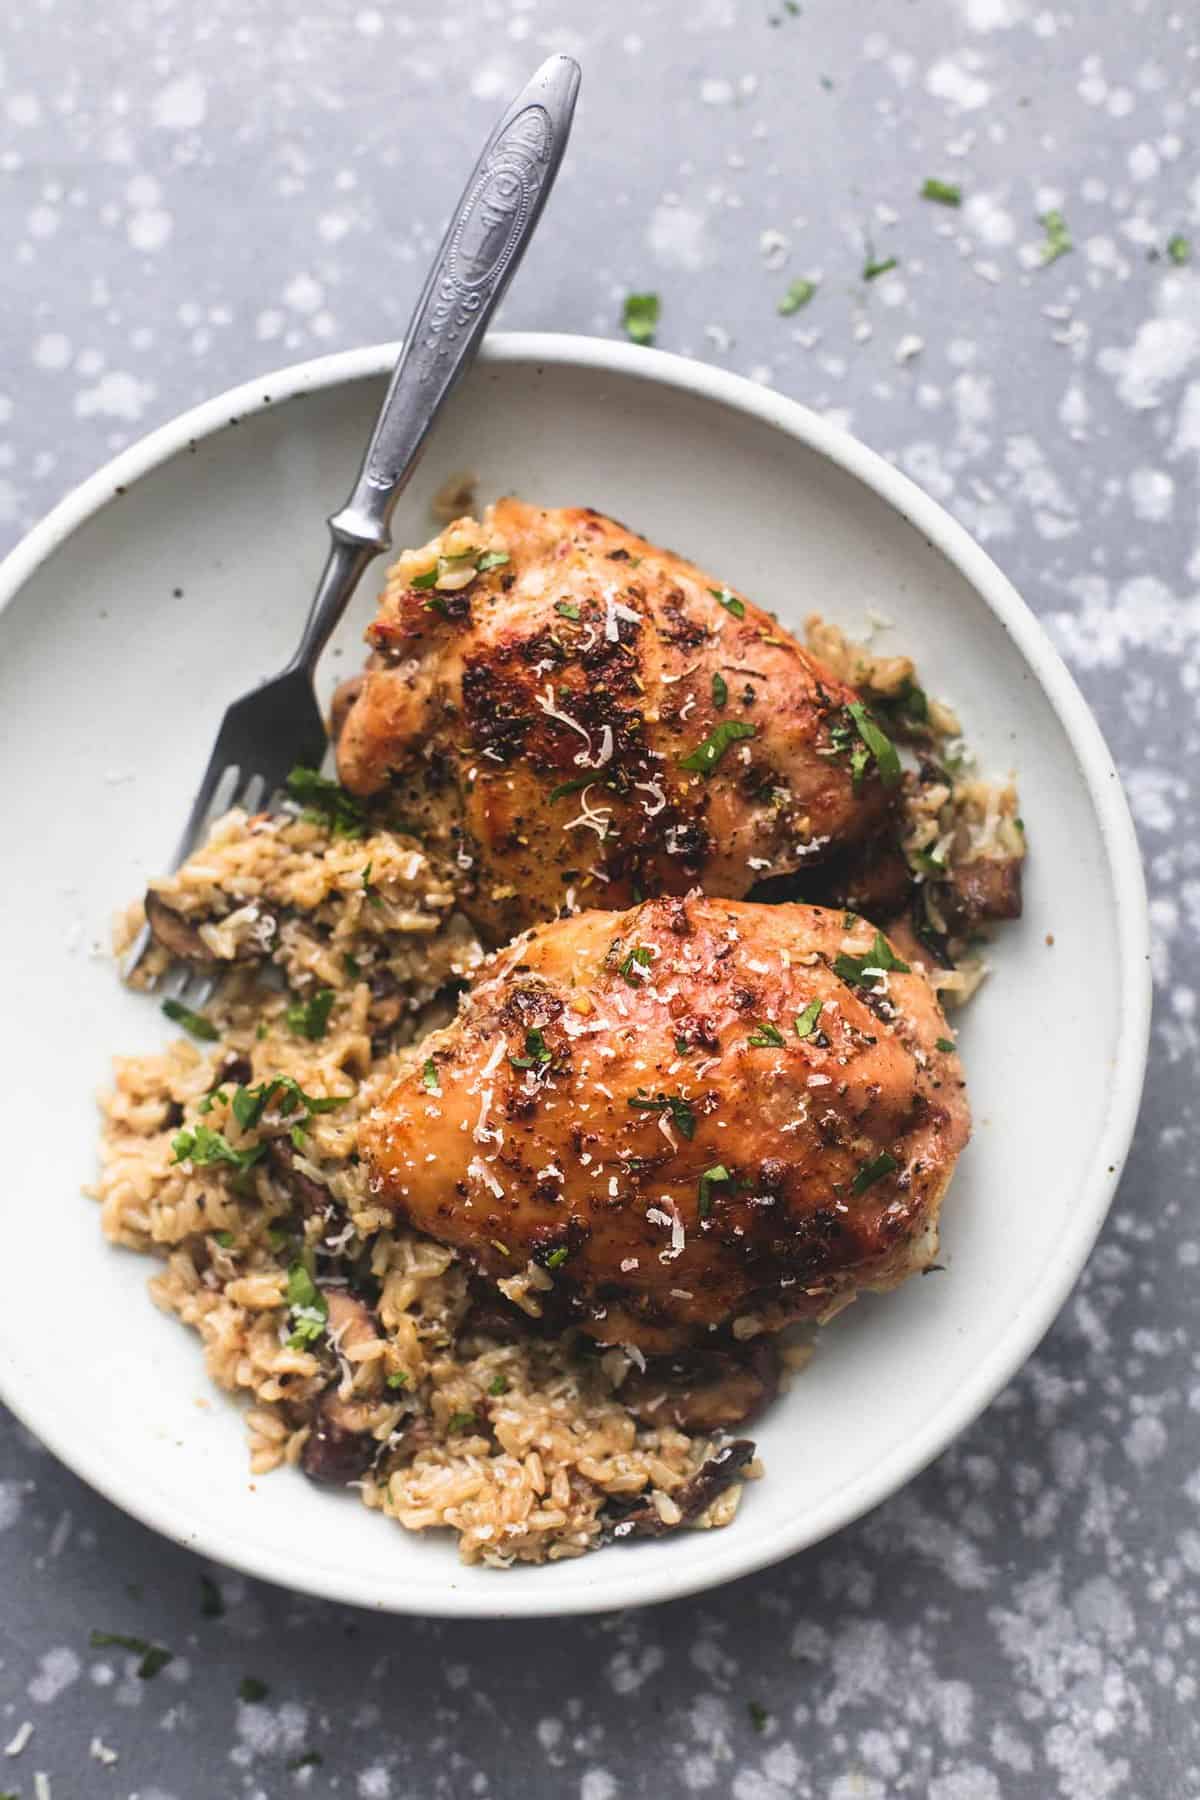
[
  {"x": 681, "y": 1113},
  {"x": 682, "y": 1047},
  {"x": 251, "y": 1689},
  {"x": 765, "y": 1034},
  {"x": 567, "y": 609},
  {"x": 309, "y": 1759},
  {"x": 944, "y": 1044},
  {"x": 875, "y": 266},
  {"x": 557, "y": 1258},
  {"x": 806, "y": 1022},
  {"x": 195, "y": 1022},
  {"x": 887, "y": 759},
  {"x": 373, "y": 896},
  {"x": 211, "y": 1604},
  {"x": 910, "y": 702},
  {"x": 498, "y": 1384},
  {"x": 475, "y": 560},
  {"x": 705, "y": 757},
  {"x": 202, "y": 1146},
  {"x": 327, "y": 802},
  {"x": 640, "y": 957},
  {"x": 308, "y": 1309},
  {"x": 250, "y": 1103},
  {"x": 310, "y": 1018},
  {"x": 352, "y": 966},
  {"x": 1058, "y": 237},
  {"x": 729, "y": 601},
  {"x": 1179, "y": 249},
  {"x": 570, "y": 787},
  {"x": 946, "y": 193},
  {"x": 862, "y": 971},
  {"x": 299, "y": 1138},
  {"x": 873, "y": 1171},
  {"x": 639, "y": 316},
  {"x": 429, "y": 1075},
  {"x": 397, "y": 1379},
  {"x": 799, "y": 294},
  {"x": 720, "y": 690},
  {"x": 928, "y": 862},
  {"x": 708, "y": 1181},
  {"x": 154, "y": 1657},
  {"x": 490, "y": 559},
  {"x": 758, "y": 1715},
  {"x": 224, "y": 1238},
  {"x": 461, "y": 1421},
  {"x": 537, "y": 1052}
]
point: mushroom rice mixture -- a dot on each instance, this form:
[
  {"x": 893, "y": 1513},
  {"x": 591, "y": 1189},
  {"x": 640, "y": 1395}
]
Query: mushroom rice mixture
[{"x": 369, "y": 1355}]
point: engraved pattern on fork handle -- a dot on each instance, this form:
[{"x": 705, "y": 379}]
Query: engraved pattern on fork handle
[
  {"x": 488, "y": 234},
  {"x": 490, "y": 229}
]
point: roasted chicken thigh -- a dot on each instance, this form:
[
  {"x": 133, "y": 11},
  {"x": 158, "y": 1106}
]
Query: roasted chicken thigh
[
  {"x": 582, "y": 719},
  {"x": 698, "y": 1116}
]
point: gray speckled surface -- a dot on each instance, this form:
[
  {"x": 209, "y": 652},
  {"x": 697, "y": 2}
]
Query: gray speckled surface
[{"x": 193, "y": 193}]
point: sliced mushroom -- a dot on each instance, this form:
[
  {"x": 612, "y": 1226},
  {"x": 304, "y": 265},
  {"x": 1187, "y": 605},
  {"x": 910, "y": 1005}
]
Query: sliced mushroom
[
  {"x": 334, "y": 1455},
  {"x": 314, "y": 1200},
  {"x": 706, "y": 1392},
  {"x": 711, "y": 1479},
  {"x": 174, "y": 932},
  {"x": 988, "y": 888},
  {"x": 340, "y": 1447},
  {"x": 182, "y": 937}
]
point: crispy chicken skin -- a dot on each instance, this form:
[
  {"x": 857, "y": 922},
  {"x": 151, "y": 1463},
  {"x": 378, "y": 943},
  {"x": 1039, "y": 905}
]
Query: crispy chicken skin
[
  {"x": 648, "y": 1108},
  {"x": 535, "y": 718}
]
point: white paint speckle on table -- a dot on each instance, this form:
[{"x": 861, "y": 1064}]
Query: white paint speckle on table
[{"x": 213, "y": 190}]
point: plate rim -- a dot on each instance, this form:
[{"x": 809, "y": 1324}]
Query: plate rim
[{"x": 1098, "y": 1184}]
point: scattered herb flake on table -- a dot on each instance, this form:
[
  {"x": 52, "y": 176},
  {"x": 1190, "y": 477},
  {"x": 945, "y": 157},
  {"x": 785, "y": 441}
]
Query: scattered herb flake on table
[
  {"x": 946, "y": 193},
  {"x": 1058, "y": 237},
  {"x": 212, "y": 1606},
  {"x": 640, "y": 316},
  {"x": 251, "y": 1689},
  {"x": 1179, "y": 249},
  {"x": 876, "y": 266},
  {"x": 798, "y": 294}
]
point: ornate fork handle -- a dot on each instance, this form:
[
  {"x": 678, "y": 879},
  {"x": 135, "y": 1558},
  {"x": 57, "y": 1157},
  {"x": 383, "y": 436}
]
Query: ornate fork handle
[
  {"x": 488, "y": 234},
  {"x": 492, "y": 224}
]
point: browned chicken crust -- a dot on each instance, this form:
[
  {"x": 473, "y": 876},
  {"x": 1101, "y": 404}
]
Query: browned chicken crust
[
  {"x": 695, "y": 1116},
  {"x": 595, "y": 719}
]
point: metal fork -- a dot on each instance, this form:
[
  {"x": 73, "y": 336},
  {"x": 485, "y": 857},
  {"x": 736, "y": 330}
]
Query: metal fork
[{"x": 268, "y": 731}]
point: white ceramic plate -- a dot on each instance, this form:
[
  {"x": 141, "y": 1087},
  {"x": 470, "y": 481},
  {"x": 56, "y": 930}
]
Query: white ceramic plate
[{"x": 177, "y": 574}]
